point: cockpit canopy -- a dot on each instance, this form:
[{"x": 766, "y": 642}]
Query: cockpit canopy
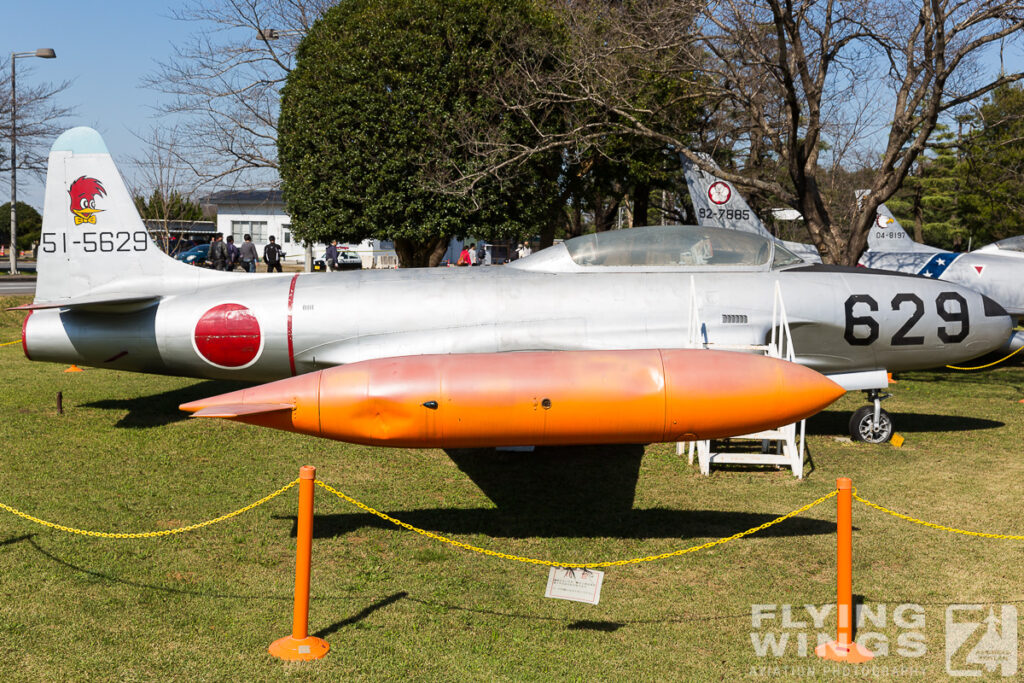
[
  {"x": 1012, "y": 243},
  {"x": 669, "y": 247}
]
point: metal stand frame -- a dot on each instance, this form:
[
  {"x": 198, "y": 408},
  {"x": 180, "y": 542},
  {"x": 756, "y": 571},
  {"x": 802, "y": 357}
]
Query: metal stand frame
[{"x": 778, "y": 446}]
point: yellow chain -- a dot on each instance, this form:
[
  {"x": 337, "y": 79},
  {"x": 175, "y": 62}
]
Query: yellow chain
[
  {"x": 937, "y": 526},
  {"x": 149, "y": 534},
  {"x": 16, "y": 341},
  {"x": 587, "y": 565},
  {"x": 988, "y": 365}
]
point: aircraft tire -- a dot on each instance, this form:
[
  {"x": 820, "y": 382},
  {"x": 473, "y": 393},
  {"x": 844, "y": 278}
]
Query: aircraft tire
[{"x": 861, "y": 425}]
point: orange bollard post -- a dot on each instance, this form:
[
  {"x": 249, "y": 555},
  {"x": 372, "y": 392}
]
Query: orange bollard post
[
  {"x": 300, "y": 645},
  {"x": 843, "y": 649}
]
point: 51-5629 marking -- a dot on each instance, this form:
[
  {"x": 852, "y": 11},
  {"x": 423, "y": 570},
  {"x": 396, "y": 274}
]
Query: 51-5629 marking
[{"x": 122, "y": 240}]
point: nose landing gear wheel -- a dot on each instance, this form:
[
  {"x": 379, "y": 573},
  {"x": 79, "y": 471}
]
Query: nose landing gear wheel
[{"x": 862, "y": 426}]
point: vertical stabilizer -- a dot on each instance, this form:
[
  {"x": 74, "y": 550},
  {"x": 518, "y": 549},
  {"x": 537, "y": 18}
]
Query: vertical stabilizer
[
  {"x": 717, "y": 203},
  {"x": 93, "y": 243},
  {"x": 888, "y": 235}
]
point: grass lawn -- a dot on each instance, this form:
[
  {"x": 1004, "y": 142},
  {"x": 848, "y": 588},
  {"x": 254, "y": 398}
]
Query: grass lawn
[{"x": 393, "y": 605}]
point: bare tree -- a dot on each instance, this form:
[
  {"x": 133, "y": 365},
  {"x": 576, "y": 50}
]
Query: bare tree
[
  {"x": 794, "y": 94},
  {"x": 162, "y": 180},
  {"x": 226, "y": 84},
  {"x": 40, "y": 120}
]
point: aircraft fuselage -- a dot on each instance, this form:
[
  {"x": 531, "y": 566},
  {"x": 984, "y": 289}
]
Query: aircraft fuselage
[{"x": 270, "y": 327}]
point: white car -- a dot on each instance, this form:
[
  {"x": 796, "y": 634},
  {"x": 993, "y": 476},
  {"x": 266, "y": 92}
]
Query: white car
[{"x": 347, "y": 260}]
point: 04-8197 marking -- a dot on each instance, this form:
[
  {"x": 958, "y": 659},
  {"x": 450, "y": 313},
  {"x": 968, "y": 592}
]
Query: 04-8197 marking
[{"x": 121, "y": 240}]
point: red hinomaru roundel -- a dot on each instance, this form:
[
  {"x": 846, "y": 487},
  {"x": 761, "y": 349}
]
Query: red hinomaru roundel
[
  {"x": 228, "y": 335},
  {"x": 83, "y": 199}
]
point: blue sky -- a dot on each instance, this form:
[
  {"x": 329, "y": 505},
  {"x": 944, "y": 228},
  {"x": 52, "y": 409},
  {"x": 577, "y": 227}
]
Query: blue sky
[{"x": 104, "y": 48}]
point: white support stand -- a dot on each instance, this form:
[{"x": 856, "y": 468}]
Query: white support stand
[{"x": 780, "y": 446}]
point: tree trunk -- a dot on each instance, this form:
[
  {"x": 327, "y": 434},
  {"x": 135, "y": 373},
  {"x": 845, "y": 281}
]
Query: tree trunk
[
  {"x": 547, "y": 232},
  {"x": 823, "y": 235},
  {"x": 604, "y": 214},
  {"x": 641, "y": 203},
  {"x": 573, "y": 220},
  {"x": 918, "y": 218},
  {"x": 415, "y": 254}
]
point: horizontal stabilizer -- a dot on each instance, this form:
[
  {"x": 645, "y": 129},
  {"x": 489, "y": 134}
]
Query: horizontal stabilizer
[
  {"x": 231, "y": 410},
  {"x": 111, "y": 304}
]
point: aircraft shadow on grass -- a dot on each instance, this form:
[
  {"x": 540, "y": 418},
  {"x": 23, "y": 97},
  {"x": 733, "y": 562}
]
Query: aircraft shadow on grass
[
  {"x": 576, "y": 492},
  {"x": 161, "y": 409},
  {"x": 832, "y": 422}
]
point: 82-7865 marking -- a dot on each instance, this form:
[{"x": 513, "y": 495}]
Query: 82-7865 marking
[
  {"x": 121, "y": 240},
  {"x": 724, "y": 214}
]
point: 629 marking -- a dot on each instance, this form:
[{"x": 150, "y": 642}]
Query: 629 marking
[{"x": 863, "y": 330}]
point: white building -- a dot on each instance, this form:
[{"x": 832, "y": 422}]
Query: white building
[{"x": 261, "y": 213}]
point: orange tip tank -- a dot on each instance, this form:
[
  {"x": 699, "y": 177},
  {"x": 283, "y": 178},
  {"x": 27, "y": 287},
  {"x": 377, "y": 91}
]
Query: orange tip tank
[{"x": 535, "y": 398}]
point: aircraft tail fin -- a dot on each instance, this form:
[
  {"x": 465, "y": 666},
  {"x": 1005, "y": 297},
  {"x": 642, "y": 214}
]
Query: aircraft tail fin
[
  {"x": 717, "y": 202},
  {"x": 887, "y": 234},
  {"x": 93, "y": 243}
]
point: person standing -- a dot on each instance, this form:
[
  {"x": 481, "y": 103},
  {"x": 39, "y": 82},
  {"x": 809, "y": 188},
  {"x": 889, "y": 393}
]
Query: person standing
[
  {"x": 272, "y": 256},
  {"x": 218, "y": 255},
  {"x": 234, "y": 253},
  {"x": 248, "y": 254},
  {"x": 524, "y": 250},
  {"x": 332, "y": 255}
]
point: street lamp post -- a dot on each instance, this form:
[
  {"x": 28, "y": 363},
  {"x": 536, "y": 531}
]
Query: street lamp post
[{"x": 44, "y": 53}]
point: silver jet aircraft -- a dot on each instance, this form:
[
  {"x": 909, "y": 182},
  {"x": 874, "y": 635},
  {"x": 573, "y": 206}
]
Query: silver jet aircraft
[
  {"x": 889, "y": 235},
  {"x": 108, "y": 297},
  {"x": 995, "y": 271}
]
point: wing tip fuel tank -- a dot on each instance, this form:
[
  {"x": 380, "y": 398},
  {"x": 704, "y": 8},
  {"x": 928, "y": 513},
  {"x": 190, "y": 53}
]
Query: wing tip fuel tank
[{"x": 534, "y": 398}]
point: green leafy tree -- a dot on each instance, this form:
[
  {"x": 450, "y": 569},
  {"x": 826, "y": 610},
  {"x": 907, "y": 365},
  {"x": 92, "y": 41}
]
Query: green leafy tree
[
  {"x": 992, "y": 200},
  {"x": 931, "y": 194},
  {"x": 30, "y": 225},
  {"x": 374, "y": 104}
]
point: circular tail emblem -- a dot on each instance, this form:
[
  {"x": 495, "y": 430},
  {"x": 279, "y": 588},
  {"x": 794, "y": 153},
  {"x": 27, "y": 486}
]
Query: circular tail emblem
[{"x": 719, "y": 192}]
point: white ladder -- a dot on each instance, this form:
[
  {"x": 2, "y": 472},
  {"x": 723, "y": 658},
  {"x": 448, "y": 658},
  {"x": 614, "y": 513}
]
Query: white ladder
[{"x": 778, "y": 446}]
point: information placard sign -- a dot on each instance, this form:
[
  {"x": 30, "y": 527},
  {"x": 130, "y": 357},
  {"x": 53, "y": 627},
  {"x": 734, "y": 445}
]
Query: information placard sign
[{"x": 574, "y": 583}]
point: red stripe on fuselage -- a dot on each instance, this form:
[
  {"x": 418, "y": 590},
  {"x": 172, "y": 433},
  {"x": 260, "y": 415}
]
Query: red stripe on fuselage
[
  {"x": 291, "y": 302},
  {"x": 24, "y": 338}
]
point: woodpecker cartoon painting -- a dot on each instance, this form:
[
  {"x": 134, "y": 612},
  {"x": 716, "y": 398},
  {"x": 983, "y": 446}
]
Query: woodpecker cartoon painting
[{"x": 83, "y": 199}]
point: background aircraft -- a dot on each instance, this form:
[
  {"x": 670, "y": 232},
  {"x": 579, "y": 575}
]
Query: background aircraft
[
  {"x": 717, "y": 203},
  {"x": 890, "y": 235},
  {"x": 997, "y": 272},
  {"x": 1011, "y": 246},
  {"x": 107, "y": 297}
]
